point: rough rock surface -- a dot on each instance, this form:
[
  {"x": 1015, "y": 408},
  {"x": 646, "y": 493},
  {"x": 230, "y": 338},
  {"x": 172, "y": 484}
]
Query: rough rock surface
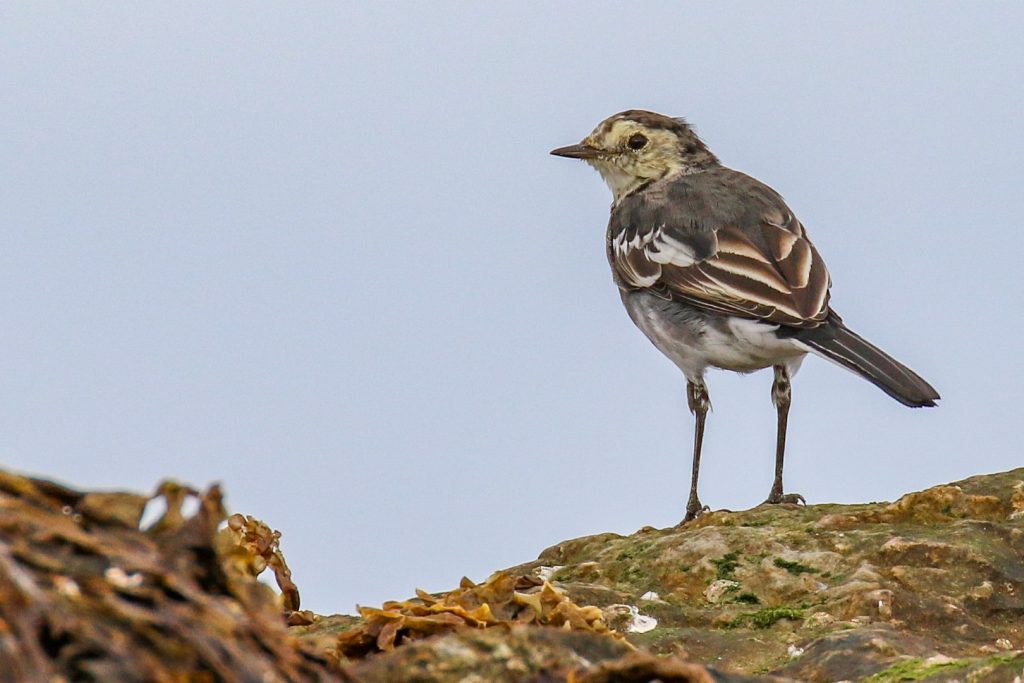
[{"x": 930, "y": 587}]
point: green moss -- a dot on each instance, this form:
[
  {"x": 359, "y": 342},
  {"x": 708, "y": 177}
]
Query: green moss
[
  {"x": 634, "y": 550},
  {"x": 915, "y": 670},
  {"x": 726, "y": 565},
  {"x": 997, "y": 660},
  {"x": 660, "y": 640},
  {"x": 766, "y": 617},
  {"x": 992, "y": 663},
  {"x": 769, "y": 615},
  {"x": 570, "y": 573},
  {"x": 794, "y": 567},
  {"x": 635, "y": 574}
]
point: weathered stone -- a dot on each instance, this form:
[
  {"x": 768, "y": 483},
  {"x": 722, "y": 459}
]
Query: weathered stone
[
  {"x": 930, "y": 587},
  {"x": 939, "y": 572},
  {"x": 719, "y": 589}
]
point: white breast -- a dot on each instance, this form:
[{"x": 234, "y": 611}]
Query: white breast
[{"x": 695, "y": 340}]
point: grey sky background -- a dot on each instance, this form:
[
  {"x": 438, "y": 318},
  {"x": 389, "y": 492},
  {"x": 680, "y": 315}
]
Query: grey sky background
[{"x": 319, "y": 252}]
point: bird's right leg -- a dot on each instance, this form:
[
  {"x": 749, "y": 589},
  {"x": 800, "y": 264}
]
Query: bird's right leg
[
  {"x": 697, "y": 398},
  {"x": 782, "y": 395}
]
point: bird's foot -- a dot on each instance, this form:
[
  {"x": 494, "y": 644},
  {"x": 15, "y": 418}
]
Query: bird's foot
[
  {"x": 694, "y": 509},
  {"x": 777, "y": 497}
]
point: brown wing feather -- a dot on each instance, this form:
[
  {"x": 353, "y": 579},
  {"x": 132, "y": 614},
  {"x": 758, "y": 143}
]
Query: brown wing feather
[{"x": 779, "y": 278}]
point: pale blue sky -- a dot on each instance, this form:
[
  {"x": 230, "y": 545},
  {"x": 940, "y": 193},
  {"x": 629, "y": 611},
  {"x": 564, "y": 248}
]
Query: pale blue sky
[{"x": 319, "y": 252}]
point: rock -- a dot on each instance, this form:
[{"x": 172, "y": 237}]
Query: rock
[
  {"x": 819, "y": 619},
  {"x": 719, "y": 589},
  {"x": 930, "y": 587},
  {"x": 882, "y": 601},
  {"x": 545, "y": 573},
  {"x": 983, "y": 591},
  {"x": 489, "y": 656},
  {"x": 861, "y": 588},
  {"x": 628, "y": 618}
]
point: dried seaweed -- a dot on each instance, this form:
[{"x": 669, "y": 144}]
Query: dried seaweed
[
  {"x": 85, "y": 595},
  {"x": 247, "y": 547},
  {"x": 502, "y": 600}
]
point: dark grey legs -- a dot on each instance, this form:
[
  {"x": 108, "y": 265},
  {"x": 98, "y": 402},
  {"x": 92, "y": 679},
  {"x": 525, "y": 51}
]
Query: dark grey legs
[
  {"x": 782, "y": 395},
  {"x": 697, "y": 398}
]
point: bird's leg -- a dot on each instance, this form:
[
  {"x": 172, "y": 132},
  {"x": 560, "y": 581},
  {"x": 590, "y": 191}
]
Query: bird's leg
[
  {"x": 697, "y": 398},
  {"x": 782, "y": 395}
]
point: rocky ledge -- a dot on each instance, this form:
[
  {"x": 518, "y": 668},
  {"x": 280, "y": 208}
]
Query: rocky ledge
[{"x": 930, "y": 587}]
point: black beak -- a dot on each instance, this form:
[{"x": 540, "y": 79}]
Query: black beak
[{"x": 580, "y": 151}]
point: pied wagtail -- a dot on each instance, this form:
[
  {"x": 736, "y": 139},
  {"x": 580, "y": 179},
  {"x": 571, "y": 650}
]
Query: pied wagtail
[{"x": 717, "y": 271}]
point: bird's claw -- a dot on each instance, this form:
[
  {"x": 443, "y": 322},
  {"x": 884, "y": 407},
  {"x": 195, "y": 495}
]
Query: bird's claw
[
  {"x": 785, "y": 498},
  {"x": 694, "y": 509}
]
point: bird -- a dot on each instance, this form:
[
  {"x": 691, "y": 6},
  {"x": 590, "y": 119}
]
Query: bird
[{"x": 717, "y": 271}]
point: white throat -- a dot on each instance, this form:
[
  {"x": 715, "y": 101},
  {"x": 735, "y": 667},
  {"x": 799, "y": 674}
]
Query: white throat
[{"x": 620, "y": 182}]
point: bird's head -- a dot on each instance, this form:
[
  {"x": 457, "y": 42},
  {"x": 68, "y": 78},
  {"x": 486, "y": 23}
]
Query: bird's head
[{"x": 635, "y": 147}]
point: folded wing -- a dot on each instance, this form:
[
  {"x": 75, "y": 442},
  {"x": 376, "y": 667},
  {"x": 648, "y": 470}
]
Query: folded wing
[{"x": 766, "y": 270}]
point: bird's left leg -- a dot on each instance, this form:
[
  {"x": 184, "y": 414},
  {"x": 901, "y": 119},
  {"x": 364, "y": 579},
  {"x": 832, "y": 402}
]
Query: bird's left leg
[
  {"x": 699, "y": 402},
  {"x": 782, "y": 395}
]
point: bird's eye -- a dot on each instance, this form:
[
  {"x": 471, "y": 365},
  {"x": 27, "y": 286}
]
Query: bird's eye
[{"x": 636, "y": 141}]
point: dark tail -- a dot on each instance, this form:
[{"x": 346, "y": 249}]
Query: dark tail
[{"x": 838, "y": 343}]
